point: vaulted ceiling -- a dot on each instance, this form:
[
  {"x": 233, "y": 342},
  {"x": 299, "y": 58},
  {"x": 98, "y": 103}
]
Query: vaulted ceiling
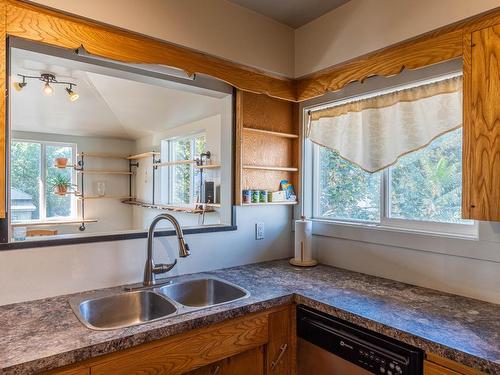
[{"x": 108, "y": 106}]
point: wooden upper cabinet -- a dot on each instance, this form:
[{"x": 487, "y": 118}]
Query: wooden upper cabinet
[{"x": 481, "y": 148}]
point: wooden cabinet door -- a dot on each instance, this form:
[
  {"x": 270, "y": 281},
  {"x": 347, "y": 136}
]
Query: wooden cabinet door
[
  {"x": 481, "y": 131},
  {"x": 434, "y": 369},
  {"x": 280, "y": 348},
  {"x": 250, "y": 362}
]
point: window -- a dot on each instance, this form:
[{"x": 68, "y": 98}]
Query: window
[
  {"x": 422, "y": 190},
  {"x": 183, "y": 178},
  {"x": 32, "y": 172}
]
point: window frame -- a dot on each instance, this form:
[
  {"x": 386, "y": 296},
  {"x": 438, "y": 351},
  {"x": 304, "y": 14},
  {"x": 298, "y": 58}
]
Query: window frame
[
  {"x": 385, "y": 221},
  {"x": 168, "y": 149},
  {"x": 43, "y": 181},
  {"x": 377, "y": 86}
]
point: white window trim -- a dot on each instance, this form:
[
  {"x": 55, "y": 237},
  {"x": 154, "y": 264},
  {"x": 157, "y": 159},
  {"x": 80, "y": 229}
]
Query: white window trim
[
  {"x": 385, "y": 221},
  {"x": 43, "y": 182},
  {"x": 169, "y": 151}
]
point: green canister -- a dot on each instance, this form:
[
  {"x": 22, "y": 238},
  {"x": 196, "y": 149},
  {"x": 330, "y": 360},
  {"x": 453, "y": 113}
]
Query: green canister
[
  {"x": 255, "y": 196},
  {"x": 263, "y": 196}
]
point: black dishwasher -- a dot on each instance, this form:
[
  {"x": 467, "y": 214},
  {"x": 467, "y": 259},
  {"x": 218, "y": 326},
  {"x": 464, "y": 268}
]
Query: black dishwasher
[{"x": 328, "y": 345}]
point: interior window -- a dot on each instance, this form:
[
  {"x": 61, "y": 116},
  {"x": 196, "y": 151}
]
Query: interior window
[{"x": 33, "y": 180}]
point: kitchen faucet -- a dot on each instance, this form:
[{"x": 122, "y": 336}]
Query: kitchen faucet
[{"x": 151, "y": 269}]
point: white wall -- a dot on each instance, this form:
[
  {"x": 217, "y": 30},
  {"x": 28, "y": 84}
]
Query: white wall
[
  {"x": 465, "y": 276},
  {"x": 362, "y": 26},
  {"x": 43, "y": 272},
  {"x": 217, "y": 27}
]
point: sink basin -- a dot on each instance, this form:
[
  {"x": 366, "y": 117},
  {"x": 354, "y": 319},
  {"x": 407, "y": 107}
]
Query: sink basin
[
  {"x": 204, "y": 292},
  {"x": 122, "y": 310}
]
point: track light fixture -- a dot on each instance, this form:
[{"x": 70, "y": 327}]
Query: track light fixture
[
  {"x": 72, "y": 95},
  {"x": 49, "y": 79}
]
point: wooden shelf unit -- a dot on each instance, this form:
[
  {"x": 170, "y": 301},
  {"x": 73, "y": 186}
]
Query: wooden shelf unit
[
  {"x": 283, "y": 203},
  {"x": 100, "y": 155},
  {"x": 271, "y": 133},
  {"x": 188, "y": 209},
  {"x": 174, "y": 162},
  {"x": 208, "y": 166},
  {"x": 103, "y": 171},
  {"x": 267, "y": 144},
  {"x": 270, "y": 168},
  {"x": 104, "y": 197},
  {"x": 143, "y": 155}
]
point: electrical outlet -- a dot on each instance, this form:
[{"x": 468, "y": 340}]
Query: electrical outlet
[{"x": 259, "y": 231}]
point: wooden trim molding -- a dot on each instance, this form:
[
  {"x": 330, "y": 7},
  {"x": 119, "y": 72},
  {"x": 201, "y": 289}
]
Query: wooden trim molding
[
  {"x": 39, "y": 24},
  {"x": 3, "y": 109},
  {"x": 431, "y": 48}
]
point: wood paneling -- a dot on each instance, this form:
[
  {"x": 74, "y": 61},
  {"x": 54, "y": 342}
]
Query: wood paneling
[
  {"x": 191, "y": 350},
  {"x": 54, "y": 28},
  {"x": 435, "y": 365},
  {"x": 481, "y": 149}
]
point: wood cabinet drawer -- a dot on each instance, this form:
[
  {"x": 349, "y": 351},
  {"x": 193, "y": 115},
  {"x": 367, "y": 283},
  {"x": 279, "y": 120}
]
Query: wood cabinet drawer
[{"x": 191, "y": 350}]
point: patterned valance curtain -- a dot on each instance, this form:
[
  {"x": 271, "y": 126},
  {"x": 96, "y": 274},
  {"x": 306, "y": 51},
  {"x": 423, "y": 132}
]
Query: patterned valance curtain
[{"x": 374, "y": 132}]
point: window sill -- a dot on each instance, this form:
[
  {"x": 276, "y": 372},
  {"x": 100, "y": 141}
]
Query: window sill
[{"x": 435, "y": 242}]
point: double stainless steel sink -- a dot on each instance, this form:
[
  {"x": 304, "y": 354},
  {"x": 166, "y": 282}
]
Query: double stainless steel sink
[{"x": 125, "y": 309}]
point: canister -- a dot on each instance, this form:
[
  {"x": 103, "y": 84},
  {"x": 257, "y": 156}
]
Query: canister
[
  {"x": 247, "y": 196},
  {"x": 263, "y": 196},
  {"x": 255, "y": 196}
]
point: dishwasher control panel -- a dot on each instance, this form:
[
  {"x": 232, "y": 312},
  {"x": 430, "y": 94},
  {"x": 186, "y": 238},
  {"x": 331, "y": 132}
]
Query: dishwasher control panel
[{"x": 366, "y": 349}]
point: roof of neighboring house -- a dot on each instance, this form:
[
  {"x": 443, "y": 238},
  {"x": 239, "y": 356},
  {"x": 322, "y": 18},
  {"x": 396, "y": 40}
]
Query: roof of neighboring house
[{"x": 16, "y": 194}]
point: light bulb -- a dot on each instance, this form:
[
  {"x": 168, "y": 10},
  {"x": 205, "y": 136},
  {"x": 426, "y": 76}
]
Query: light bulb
[
  {"x": 18, "y": 86},
  {"x": 47, "y": 89},
  {"x": 72, "y": 95}
]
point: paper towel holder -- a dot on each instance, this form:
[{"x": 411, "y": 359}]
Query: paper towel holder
[{"x": 301, "y": 262}]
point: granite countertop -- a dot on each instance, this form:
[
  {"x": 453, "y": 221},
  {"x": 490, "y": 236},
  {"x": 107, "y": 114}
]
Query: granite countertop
[{"x": 45, "y": 334}]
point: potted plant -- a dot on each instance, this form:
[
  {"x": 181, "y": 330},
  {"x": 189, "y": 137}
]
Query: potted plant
[
  {"x": 61, "y": 184},
  {"x": 61, "y": 162}
]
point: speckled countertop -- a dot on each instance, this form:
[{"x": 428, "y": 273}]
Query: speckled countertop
[{"x": 45, "y": 334}]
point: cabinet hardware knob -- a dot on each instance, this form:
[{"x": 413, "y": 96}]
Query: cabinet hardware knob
[{"x": 283, "y": 349}]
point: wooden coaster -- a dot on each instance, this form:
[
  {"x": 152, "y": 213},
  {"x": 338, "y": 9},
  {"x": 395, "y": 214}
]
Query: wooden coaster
[{"x": 303, "y": 263}]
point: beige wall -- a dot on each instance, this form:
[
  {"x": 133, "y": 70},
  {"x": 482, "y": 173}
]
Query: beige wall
[
  {"x": 217, "y": 27},
  {"x": 362, "y": 26}
]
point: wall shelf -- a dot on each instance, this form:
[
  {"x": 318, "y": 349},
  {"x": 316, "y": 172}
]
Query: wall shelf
[
  {"x": 51, "y": 223},
  {"x": 208, "y": 166},
  {"x": 270, "y": 168},
  {"x": 143, "y": 155},
  {"x": 103, "y": 171},
  {"x": 100, "y": 155},
  {"x": 187, "y": 209},
  {"x": 267, "y": 149},
  {"x": 104, "y": 197},
  {"x": 270, "y": 203},
  {"x": 175, "y": 162},
  {"x": 271, "y": 133}
]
